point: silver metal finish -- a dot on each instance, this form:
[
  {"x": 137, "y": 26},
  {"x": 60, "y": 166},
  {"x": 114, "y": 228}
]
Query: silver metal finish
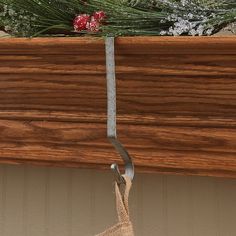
[{"x": 111, "y": 110}]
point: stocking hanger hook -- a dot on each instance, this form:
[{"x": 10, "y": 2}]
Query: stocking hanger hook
[{"x": 111, "y": 120}]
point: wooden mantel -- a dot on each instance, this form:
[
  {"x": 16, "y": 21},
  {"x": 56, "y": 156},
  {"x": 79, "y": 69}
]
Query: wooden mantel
[{"x": 176, "y": 103}]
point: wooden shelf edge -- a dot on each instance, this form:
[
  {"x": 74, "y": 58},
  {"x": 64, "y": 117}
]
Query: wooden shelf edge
[
  {"x": 175, "y": 95},
  {"x": 163, "y": 45}
]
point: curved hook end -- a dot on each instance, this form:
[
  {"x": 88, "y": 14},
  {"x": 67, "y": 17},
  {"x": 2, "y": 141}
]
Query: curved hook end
[
  {"x": 129, "y": 172},
  {"x": 118, "y": 176}
]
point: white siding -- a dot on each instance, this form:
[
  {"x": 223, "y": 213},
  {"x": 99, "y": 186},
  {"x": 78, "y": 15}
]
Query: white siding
[{"x": 36, "y": 201}]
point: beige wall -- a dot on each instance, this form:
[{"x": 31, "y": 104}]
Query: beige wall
[{"x": 36, "y": 201}]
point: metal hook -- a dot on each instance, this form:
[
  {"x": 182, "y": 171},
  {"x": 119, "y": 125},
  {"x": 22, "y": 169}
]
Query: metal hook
[{"x": 111, "y": 120}]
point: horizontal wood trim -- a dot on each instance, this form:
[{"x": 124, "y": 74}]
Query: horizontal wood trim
[
  {"x": 52, "y": 46},
  {"x": 176, "y": 45},
  {"x": 133, "y": 45},
  {"x": 176, "y": 103}
]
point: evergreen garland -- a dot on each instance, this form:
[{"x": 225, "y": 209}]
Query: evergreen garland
[{"x": 122, "y": 17}]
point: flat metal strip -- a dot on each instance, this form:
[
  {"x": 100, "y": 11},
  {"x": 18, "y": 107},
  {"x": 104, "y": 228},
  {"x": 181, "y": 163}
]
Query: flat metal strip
[
  {"x": 111, "y": 111},
  {"x": 111, "y": 88}
]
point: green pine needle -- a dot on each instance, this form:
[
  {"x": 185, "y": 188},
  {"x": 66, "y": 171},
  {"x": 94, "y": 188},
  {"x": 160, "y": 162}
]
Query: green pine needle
[{"x": 124, "y": 17}]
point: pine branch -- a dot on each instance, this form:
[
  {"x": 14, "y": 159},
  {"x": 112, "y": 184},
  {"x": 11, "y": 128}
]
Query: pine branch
[{"x": 124, "y": 17}]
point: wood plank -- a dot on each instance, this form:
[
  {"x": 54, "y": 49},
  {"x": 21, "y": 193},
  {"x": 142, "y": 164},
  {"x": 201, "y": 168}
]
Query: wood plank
[
  {"x": 178, "y": 111},
  {"x": 52, "y": 46},
  {"x": 134, "y": 45},
  {"x": 53, "y": 103},
  {"x": 176, "y": 103}
]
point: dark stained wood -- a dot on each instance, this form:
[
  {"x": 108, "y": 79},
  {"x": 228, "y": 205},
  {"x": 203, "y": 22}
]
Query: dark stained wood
[{"x": 176, "y": 103}]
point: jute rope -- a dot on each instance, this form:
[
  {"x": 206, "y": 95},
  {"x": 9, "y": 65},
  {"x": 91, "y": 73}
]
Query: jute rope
[{"x": 124, "y": 226}]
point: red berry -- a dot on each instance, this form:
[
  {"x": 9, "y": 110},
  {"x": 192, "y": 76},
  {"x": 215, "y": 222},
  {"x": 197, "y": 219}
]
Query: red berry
[
  {"x": 81, "y": 22},
  {"x": 93, "y": 25},
  {"x": 99, "y": 15}
]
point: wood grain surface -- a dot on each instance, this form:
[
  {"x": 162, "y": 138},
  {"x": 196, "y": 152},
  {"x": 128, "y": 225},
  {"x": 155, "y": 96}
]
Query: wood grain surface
[{"x": 176, "y": 103}]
